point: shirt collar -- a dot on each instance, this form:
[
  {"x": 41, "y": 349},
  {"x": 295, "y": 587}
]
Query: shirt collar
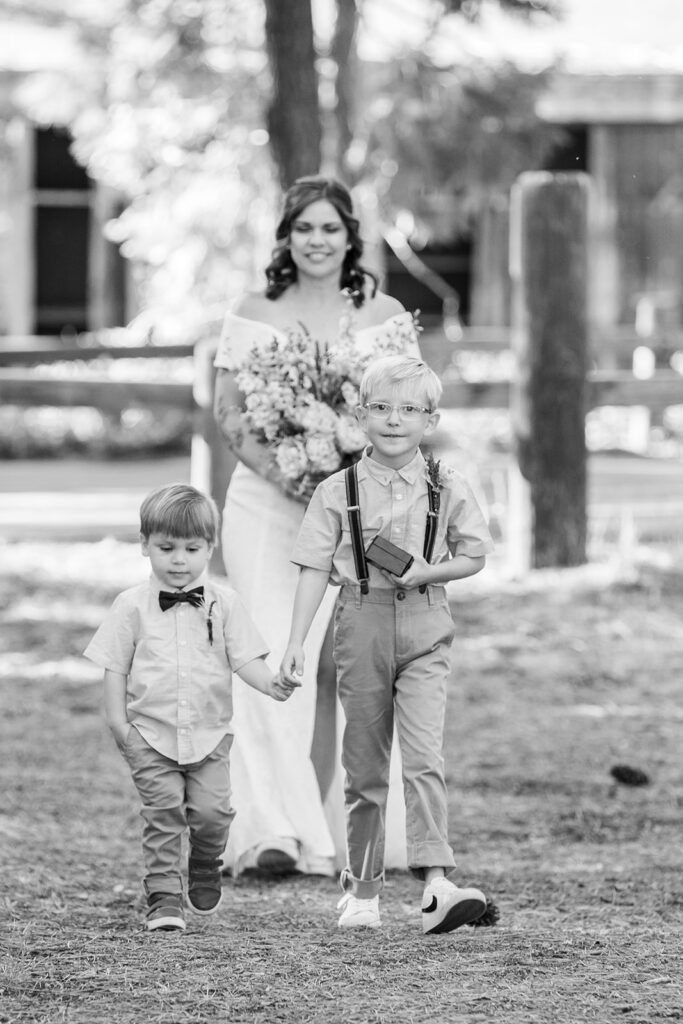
[{"x": 411, "y": 472}]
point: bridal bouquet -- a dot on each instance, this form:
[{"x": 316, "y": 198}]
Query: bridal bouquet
[{"x": 300, "y": 398}]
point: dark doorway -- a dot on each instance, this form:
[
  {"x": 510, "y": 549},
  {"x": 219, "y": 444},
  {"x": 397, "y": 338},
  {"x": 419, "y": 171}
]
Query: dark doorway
[
  {"x": 61, "y": 236},
  {"x": 571, "y": 153}
]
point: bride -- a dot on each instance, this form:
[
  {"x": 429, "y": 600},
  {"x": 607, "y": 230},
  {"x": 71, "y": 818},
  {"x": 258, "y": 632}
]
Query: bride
[{"x": 287, "y": 787}]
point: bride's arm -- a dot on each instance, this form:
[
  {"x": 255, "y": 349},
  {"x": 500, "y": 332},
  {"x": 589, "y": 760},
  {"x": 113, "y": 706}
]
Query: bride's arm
[{"x": 227, "y": 409}]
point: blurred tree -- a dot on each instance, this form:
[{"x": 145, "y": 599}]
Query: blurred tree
[
  {"x": 293, "y": 114},
  {"x": 167, "y": 108},
  {"x": 168, "y": 105},
  {"x": 419, "y": 129}
]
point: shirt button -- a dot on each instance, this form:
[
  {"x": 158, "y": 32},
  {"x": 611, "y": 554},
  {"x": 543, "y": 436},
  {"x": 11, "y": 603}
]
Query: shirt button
[
  {"x": 401, "y": 595},
  {"x": 183, "y": 703},
  {"x": 183, "y": 643},
  {"x": 399, "y": 497}
]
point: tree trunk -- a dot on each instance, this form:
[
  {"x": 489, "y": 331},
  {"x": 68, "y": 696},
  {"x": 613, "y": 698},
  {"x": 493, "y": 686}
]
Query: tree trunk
[
  {"x": 293, "y": 117},
  {"x": 550, "y": 338},
  {"x": 343, "y": 54}
]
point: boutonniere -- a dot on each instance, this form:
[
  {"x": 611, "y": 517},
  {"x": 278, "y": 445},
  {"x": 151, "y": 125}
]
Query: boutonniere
[
  {"x": 434, "y": 478},
  {"x": 209, "y": 622}
]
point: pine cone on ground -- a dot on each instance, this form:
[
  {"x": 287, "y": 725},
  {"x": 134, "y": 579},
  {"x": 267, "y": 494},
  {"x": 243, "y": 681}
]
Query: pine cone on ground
[
  {"x": 490, "y": 917},
  {"x": 629, "y": 776}
]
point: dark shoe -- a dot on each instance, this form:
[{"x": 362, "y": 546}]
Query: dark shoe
[
  {"x": 204, "y": 888},
  {"x": 165, "y": 912},
  {"x": 276, "y": 862}
]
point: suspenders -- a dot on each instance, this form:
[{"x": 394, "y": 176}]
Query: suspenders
[{"x": 353, "y": 510}]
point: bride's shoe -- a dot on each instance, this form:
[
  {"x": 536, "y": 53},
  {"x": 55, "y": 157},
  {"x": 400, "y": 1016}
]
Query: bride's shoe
[
  {"x": 276, "y": 862},
  {"x": 279, "y": 856}
]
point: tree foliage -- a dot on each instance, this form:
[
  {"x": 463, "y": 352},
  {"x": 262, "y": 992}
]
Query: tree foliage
[
  {"x": 169, "y": 104},
  {"x": 167, "y": 108}
]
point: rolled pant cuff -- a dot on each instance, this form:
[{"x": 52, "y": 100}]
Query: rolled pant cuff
[
  {"x": 430, "y": 855},
  {"x": 362, "y": 888},
  {"x": 168, "y": 884}
]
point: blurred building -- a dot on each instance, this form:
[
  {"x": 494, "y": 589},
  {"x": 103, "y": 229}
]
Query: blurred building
[
  {"x": 58, "y": 273},
  {"x": 619, "y": 99}
]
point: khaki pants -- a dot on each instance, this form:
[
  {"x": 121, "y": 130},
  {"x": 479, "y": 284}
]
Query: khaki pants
[
  {"x": 176, "y": 797},
  {"x": 392, "y": 652}
]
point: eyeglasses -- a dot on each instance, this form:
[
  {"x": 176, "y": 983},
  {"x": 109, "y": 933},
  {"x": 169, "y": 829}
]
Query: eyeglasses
[{"x": 381, "y": 410}]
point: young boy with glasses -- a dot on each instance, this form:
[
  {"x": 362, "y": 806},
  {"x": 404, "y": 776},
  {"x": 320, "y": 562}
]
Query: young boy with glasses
[{"x": 392, "y": 631}]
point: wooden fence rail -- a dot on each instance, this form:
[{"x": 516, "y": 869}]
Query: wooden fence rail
[
  {"x": 18, "y": 387},
  {"x": 211, "y": 462}
]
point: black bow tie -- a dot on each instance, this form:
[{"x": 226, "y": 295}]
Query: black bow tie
[{"x": 167, "y": 598}]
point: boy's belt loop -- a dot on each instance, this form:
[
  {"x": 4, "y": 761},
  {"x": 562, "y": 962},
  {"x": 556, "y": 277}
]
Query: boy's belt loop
[{"x": 353, "y": 511}]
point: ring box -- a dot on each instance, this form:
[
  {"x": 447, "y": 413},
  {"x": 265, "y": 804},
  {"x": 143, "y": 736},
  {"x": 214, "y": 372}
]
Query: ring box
[{"x": 385, "y": 555}]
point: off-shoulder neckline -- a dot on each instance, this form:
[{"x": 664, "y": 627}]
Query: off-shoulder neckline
[{"x": 282, "y": 334}]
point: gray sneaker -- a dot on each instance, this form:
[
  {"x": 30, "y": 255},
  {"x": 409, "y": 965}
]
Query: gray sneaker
[
  {"x": 204, "y": 885},
  {"x": 165, "y": 912}
]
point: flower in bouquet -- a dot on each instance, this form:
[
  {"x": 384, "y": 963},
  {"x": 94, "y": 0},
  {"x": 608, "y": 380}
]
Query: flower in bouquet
[
  {"x": 323, "y": 454},
  {"x": 349, "y": 434}
]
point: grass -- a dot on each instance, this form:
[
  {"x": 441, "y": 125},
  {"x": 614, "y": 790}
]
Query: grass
[{"x": 555, "y": 681}]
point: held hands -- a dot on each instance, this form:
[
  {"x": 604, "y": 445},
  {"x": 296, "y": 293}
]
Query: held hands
[
  {"x": 282, "y": 689},
  {"x": 292, "y": 664}
]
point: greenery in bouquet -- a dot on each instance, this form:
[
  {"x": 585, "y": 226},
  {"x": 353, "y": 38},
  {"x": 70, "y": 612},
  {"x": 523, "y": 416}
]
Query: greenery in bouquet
[{"x": 301, "y": 398}]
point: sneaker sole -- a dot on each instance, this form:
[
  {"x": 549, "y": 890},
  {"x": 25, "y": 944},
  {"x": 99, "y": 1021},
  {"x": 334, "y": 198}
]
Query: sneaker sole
[
  {"x": 166, "y": 924},
  {"x": 458, "y": 915}
]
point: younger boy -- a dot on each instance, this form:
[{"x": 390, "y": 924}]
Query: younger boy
[
  {"x": 392, "y": 633},
  {"x": 168, "y": 648}
]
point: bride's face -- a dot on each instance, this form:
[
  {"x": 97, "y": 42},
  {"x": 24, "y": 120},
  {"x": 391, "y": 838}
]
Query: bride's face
[{"x": 318, "y": 240}]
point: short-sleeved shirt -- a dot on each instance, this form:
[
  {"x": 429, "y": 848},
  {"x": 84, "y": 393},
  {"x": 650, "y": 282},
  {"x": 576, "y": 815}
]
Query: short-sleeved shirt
[
  {"x": 393, "y": 504},
  {"x": 179, "y": 687}
]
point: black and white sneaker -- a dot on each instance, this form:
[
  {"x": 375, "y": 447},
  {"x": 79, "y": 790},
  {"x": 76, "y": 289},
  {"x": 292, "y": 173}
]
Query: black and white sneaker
[{"x": 445, "y": 907}]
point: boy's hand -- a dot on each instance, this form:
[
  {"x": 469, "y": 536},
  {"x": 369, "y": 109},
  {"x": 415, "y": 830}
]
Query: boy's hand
[
  {"x": 282, "y": 689},
  {"x": 293, "y": 664},
  {"x": 417, "y": 574},
  {"x": 120, "y": 732}
]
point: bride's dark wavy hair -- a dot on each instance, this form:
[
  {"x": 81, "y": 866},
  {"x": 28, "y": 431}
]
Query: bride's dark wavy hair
[{"x": 281, "y": 272}]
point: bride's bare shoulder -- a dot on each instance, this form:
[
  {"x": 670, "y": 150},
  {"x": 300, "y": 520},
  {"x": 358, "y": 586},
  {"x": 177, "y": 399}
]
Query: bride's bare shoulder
[
  {"x": 253, "y": 306},
  {"x": 382, "y": 307}
]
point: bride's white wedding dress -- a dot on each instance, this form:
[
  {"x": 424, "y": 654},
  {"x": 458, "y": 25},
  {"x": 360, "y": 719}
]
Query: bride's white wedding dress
[{"x": 275, "y": 789}]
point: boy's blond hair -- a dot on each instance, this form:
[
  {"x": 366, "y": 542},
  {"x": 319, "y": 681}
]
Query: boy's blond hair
[
  {"x": 397, "y": 370},
  {"x": 179, "y": 510}
]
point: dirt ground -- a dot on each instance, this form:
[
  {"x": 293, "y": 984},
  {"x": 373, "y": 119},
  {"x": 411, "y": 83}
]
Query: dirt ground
[{"x": 556, "y": 681}]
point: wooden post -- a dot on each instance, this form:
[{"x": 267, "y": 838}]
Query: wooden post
[
  {"x": 549, "y": 260},
  {"x": 211, "y": 462}
]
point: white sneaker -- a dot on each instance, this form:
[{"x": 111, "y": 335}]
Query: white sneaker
[
  {"x": 446, "y": 907},
  {"x": 358, "y": 913}
]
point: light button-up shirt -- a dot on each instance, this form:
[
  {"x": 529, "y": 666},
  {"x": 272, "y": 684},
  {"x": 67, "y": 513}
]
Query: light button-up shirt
[
  {"x": 179, "y": 686},
  {"x": 393, "y": 504}
]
